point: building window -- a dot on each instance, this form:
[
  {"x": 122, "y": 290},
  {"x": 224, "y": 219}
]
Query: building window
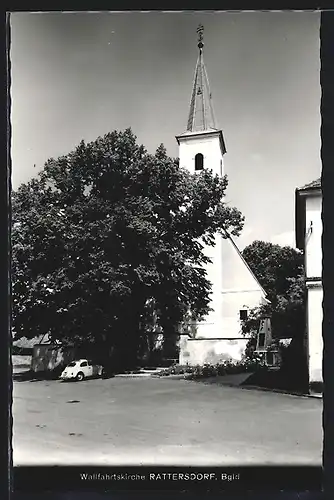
[
  {"x": 199, "y": 161},
  {"x": 243, "y": 314}
]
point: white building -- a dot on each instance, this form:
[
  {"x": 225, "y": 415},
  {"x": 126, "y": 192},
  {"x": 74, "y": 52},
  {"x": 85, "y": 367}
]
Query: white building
[
  {"x": 308, "y": 239},
  {"x": 235, "y": 289}
]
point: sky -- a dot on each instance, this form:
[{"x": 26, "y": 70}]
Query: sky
[{"x": 78, "y": 76}]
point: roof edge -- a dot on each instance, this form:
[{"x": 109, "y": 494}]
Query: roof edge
[
  {"x": 311, "y": 186},
  {"x": 189, "y": 135},
  {"x": 246, "y": 264}
]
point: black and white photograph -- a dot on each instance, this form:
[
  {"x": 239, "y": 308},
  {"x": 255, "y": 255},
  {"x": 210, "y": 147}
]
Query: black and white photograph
[{"x": 166, "y": 239}]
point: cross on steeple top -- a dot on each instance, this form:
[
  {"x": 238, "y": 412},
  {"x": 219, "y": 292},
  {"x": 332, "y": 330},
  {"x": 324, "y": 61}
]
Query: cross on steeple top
[
  {"x": 201, "y": 115},
  {"x": 200, "y": 31}
]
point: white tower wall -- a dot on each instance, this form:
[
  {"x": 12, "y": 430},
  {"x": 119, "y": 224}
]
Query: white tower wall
[
  {"x": 218, "y": 336},
  {"x": 208, "y": 144}
]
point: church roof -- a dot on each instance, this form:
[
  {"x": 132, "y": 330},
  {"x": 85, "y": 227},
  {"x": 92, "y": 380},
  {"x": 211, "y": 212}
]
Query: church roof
[
  {"x": 311, "y": 185},
  {"x": 201, "y": 115},
  {"x": 247, "y": 266},
  {"x": 189, "y": 133},
  {"x": 207, "y": 132},
  {"x": 300, "y": 209}
]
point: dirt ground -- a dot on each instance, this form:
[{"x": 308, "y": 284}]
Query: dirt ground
[{"x": 160, "y": 421}]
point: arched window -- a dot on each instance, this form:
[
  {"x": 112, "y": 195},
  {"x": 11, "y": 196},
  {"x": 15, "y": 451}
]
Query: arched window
[{"x": 199, "y": 160}]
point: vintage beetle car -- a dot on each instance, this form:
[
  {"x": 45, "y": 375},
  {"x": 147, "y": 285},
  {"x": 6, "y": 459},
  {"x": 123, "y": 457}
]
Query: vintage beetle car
[{"x": 80, "y": 369}]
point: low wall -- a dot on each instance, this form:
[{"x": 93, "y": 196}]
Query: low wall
[
  {"x": 201, "y": 351},
  {"x": 20, "y": 363}
]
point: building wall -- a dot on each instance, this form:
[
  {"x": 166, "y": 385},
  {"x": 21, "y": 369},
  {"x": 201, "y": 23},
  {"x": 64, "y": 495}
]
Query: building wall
[
  {"x": 233, "y": 302},
  {"x": 240, "y": 288},
  {"x": 208, "y": 145},
  {"x": 313, "y": 265},
  {"x": 201, "y": 351},
  {"x": 313, "y": 253},
  {"x": 315, "y": 343},
  {"x": 218, "y": 336},
  {"x": 234, "y": 288},
  {"x": 211, "y": 326}
]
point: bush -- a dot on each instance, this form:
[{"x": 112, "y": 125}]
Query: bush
[{"x": 208, "y": 370}]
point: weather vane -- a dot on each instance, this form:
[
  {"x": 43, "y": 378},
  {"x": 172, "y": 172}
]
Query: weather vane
[{"x": 200, "y": 31}]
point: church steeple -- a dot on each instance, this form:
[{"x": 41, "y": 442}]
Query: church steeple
[
  {"x": 201, "y": 116},
  {"x": 202, "y": 145}
]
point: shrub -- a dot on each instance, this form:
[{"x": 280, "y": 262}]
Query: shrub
[{"x": 208, "y": 370}]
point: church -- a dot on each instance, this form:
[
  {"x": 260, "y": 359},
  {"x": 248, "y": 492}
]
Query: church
[{"x": 235, "y": 288}]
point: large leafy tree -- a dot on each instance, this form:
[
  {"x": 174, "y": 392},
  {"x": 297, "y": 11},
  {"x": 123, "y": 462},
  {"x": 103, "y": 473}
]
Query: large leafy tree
[
  {"x": 274, "y": 266},
  {"x": 280, "y": 270},
  {"x": 106, "y": 230}
]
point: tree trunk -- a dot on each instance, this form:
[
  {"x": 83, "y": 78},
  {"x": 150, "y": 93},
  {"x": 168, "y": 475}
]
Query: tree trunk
[
  {"x": 170, "y": 338},
  {"x": 130, "y": 336}
]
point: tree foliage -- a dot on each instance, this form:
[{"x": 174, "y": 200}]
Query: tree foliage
[
  {"x": 280, "y": 270},
  {"x": 106, "y": 230},
  {"x": 274, "y": 266}
]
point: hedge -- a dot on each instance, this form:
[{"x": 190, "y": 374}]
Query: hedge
[{"x": 212, "y": 370}]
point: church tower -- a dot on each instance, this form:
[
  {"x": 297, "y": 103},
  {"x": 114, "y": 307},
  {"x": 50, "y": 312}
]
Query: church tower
[
  {"x": 234, "y": 287},
  {"x": 202, "y": 146}
]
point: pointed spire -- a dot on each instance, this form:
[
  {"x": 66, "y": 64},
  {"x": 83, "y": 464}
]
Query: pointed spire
[{"x": 201, "y": 116}]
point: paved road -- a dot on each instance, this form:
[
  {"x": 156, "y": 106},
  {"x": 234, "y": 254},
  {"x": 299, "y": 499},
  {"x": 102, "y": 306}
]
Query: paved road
[{"x": 161, "y": 421}]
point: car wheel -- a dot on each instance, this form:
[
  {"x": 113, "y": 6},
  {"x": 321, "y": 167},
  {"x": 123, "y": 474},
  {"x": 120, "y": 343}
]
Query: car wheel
[
  {"x": 80, "y": 377},
  {"x": 103, "y": 373}
]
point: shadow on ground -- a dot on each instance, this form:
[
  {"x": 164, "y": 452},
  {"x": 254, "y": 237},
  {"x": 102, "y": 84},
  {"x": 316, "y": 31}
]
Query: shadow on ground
[
  {"x": 232, "y": 380},
  {"x": 279, "y": 380},
  {"x": 282, "y": 380},
  {"x": 30, "y": 376}
]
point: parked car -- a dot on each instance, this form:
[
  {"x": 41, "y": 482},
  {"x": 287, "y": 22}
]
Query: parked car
[{"x": 80, "y": 369}]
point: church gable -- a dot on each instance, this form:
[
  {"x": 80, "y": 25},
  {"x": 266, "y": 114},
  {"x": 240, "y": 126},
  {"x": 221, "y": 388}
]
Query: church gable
[{"x": 237, "y": 275}]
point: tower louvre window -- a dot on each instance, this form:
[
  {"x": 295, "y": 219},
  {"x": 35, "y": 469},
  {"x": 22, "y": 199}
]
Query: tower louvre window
[{"x": 199, "y": 161}]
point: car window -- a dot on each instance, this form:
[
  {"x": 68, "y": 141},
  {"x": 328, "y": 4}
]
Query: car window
[
  {"x": 72, "y": 364},
  {"x": 84, "y": 363}
]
